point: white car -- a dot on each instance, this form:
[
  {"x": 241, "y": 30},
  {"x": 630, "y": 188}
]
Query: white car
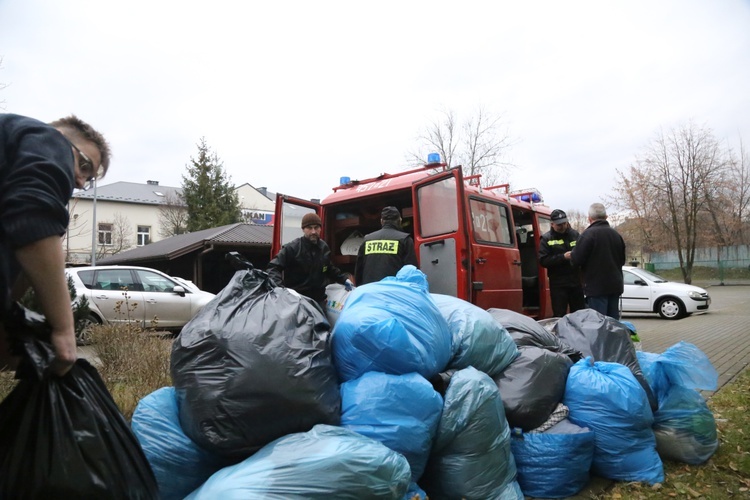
[
  {"x": 648, "y": 292},
  {"x": 147, "y": 297}
]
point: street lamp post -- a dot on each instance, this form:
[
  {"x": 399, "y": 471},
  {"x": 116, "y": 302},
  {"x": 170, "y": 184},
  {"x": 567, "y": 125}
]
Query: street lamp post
[{"x": 94, "y": 232}]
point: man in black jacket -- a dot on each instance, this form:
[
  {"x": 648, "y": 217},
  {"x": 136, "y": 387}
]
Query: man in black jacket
[
  {"x": 564, "y": 278},
  {"x": 40, "y": 165},
  {"x": 304, "y": 264},
  {"x": 600, "y": 252},
  {"x": 385, "y": 251}
]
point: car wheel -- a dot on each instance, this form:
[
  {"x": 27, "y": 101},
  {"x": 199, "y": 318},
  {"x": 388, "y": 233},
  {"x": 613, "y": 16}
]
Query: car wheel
[
  {"x": 670, "y": 308},
  {"x": 83, "y": 330}
]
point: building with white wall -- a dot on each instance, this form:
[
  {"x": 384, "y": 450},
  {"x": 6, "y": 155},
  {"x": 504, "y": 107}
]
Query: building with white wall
[{"x": 125, "y": 215}]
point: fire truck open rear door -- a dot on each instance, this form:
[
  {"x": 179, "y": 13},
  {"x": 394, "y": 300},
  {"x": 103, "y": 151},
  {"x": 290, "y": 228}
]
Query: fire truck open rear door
[
  {"x": 288, "y": 218},
  {"x": 441, "y": 236}
]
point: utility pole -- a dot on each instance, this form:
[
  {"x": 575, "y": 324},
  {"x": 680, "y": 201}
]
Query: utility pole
[{"x": 94, "y": 231}]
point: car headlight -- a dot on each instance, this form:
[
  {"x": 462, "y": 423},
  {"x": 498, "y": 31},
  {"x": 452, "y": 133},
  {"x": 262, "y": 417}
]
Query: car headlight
[{"x": 695, "y": 295}]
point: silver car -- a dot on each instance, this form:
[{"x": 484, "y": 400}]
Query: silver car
[{"x": 146, "y": 297}]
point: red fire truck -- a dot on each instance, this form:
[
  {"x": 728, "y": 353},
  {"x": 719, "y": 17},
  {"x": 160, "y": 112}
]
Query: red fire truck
[{"x": 478, "y": 244}]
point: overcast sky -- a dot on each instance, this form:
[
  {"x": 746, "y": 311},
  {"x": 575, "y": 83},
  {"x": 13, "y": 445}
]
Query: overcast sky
[{"x": 294, "y": 95}]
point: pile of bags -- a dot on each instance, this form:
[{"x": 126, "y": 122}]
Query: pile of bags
[{"x": 409, "y": 395}]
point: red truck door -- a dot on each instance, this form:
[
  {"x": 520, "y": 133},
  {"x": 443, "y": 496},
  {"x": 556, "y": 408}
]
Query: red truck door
[
  {"x": 441, "y": 235},
  {"x": 496, "y": 264},
  {"x": 287, "y": 219}
]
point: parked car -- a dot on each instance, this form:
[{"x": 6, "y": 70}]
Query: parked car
[
  {"x": 648, "y": 292},
  {"x": 119, "y": 294}
]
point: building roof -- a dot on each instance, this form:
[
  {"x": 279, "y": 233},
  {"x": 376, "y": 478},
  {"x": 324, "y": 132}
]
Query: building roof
[
  {"x": 132, "y": 192},
  {"x": 239, "y": 234}
]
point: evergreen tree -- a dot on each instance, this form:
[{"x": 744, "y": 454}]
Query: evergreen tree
[
  {"x": 81, "y": 314},
  {"x": 208, "y": 193}
]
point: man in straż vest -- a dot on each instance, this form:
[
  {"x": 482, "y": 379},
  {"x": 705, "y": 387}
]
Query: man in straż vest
[
  {"x": 385, "y": 251},
  {"x": 564, "y": 278}
]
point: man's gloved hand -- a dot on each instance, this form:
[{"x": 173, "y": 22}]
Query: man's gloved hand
[{"x": 348, "y": 285}]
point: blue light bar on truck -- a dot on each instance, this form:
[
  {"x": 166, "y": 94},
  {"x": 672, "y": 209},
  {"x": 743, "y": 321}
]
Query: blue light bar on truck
[
  {"x": 433, "y": 158},
  {"x": 528, "y": 195}
]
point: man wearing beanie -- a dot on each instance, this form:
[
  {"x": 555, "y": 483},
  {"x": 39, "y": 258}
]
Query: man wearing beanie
[
  {"x": 385, "y": 251},
  {"x": 564, "y": 278},
  {"x": 304, "y": 264}
]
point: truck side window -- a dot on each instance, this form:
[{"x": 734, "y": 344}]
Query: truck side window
[
  {"x": 438, "y": 206},
  {"x": 490, "y": 222}
]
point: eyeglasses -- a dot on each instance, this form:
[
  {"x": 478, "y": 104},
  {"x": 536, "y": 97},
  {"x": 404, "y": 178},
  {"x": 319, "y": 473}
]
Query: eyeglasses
[{"x": 86, "y": 166}]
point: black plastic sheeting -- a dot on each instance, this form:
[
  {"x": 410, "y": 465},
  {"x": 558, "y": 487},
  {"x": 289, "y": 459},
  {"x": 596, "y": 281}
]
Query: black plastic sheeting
[
  {"x": 64, "y": 437},
  {"x": 254, "y": 365}
]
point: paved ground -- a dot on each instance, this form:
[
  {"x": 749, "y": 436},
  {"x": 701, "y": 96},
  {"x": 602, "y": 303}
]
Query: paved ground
[{"x": 723, "y": 333}]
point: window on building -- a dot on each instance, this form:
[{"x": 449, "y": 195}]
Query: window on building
[
  {"x": 105, "y": 234},
  {"x": 144, "y": 235}
]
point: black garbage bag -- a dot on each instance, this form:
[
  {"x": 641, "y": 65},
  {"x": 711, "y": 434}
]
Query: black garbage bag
[
  {"x": 252, "y": 366},
  {"x": 525, "y": 331},
  {"x": 605, "y": 339},
  {"x": 532, "y": 386},
  {"x": 64, "y": 437}
]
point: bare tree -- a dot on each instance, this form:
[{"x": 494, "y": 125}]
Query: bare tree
[
  {"x": 737, "y": 197},
  {"x": 578, "y": 219},
  {"x": 668, "y": 187},
  {"x": 636, "y": 194},
  {"x": 173, "y": 216},
  {"x": 78, "y": 226},
  {"x": 121, "y": 236},
  {"x": 440, "y": 136},
  {"x": 479, "y": 144}
]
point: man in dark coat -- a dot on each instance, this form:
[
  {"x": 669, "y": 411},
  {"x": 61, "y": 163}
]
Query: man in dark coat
[
  {"x": 385, "y": 251},
  {"x": 600, "y": 253},
  {"x": 304, "y": 264},
  {"x": 564, "y": 278},
  {"x": 40, "y": 165}
]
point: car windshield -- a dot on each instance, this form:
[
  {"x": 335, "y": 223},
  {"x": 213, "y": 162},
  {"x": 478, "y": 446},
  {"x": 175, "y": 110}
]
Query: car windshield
[
  {"x": 651, "y": 276},
  {"x": 187, "y": 284}
]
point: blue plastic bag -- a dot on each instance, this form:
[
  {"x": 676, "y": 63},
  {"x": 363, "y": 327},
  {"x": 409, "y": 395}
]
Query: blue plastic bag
[
  {"x": 686, "y": 365},
  {"x": 478, "y": 340},
  {"x": 178, "y": 463},
  {"x": 400, "y": 411},
  {"x": 326, "y": 462},
  {"x": 607, "y": 398},
  {"x": 391, "y": 326},
  {"x": 554, "y": 463},
  {"x": 684, "y": 426}
]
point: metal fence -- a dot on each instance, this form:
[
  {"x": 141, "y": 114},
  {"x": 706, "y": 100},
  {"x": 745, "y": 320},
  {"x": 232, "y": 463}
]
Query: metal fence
[{"x": 735, "y": 271}]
